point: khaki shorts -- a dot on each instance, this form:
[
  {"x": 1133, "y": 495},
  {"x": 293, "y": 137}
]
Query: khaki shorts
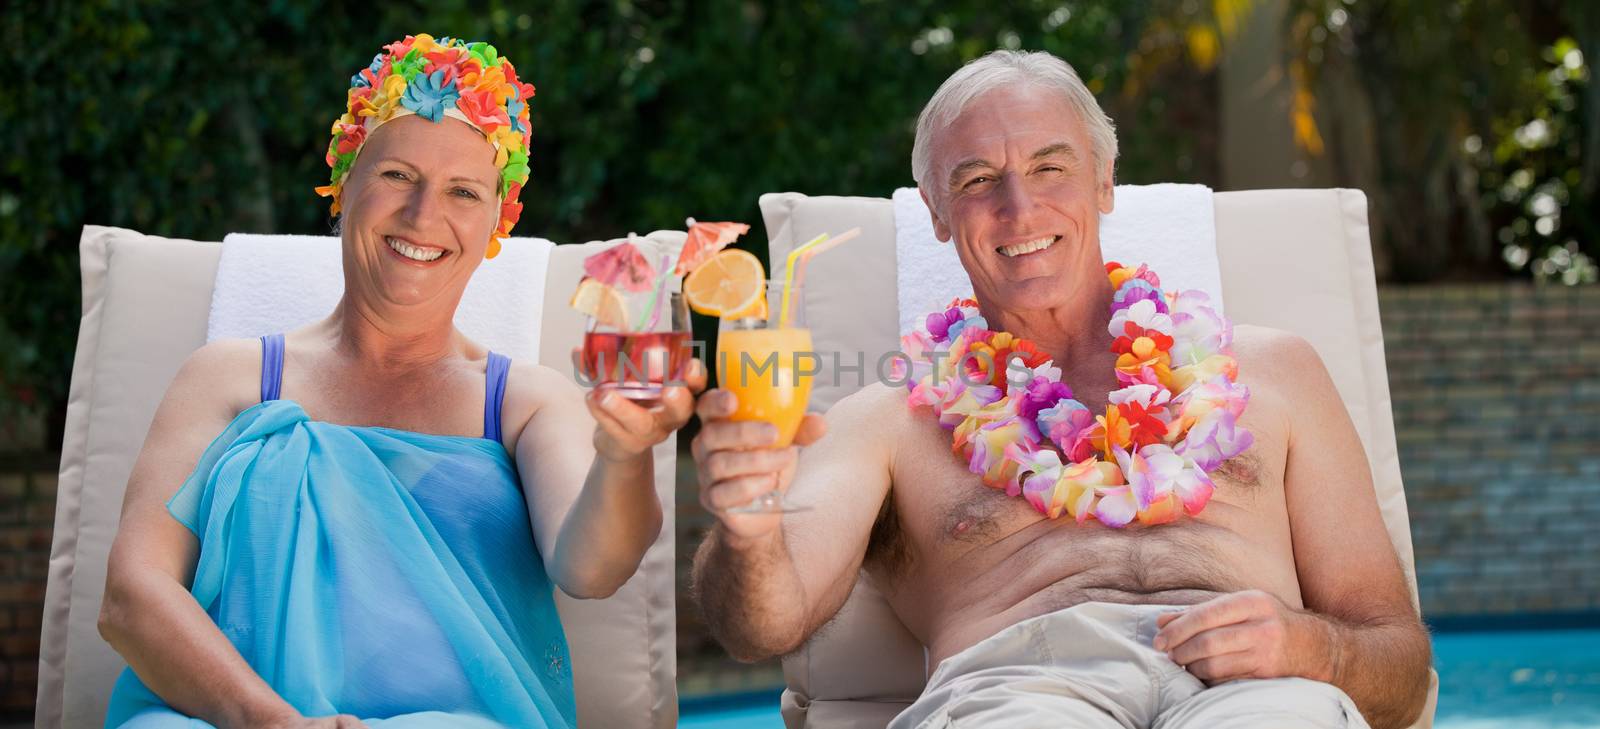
[{"x": 1093, "y": 666}]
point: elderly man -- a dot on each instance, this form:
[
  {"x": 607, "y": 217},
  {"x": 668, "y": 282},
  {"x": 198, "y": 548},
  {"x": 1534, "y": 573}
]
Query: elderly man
[{"x": 1281, "y": 604}]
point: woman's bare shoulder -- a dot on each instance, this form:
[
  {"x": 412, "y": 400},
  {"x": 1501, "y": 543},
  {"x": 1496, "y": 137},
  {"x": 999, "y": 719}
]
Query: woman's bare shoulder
[
  {"x": 224, "y": 374},
  {"x": 215, "y": 384},
  {"x": 530, "y": 388}
]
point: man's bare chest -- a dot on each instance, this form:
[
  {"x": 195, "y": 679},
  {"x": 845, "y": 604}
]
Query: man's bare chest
[{"x": 941, "y": 507}]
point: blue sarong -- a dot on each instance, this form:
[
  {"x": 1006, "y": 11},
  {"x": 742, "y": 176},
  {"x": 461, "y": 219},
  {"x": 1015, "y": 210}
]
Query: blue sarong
[{"x": 370, "y": 571}]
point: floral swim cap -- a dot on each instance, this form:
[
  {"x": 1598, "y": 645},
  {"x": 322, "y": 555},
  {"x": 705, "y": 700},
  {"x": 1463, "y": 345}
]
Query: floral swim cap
[{"x": 435, "y": 79}]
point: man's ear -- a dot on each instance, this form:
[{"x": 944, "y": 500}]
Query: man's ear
[
  {"x": 1106, "y": 193},
  {"x": 941, "y": 230}
]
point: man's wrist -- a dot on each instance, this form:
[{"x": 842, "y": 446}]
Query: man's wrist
[
  {"x": 745, "y": 544},
  {"x": 1325, "y": 654}
]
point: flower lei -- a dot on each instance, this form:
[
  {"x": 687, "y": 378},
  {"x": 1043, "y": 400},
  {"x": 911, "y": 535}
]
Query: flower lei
[
  {"x": 434, "y": 79},
  {"x": 1174, "y": 419}
]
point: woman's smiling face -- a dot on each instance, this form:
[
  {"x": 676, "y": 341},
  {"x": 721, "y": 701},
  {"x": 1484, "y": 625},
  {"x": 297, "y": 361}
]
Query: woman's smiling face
[{"x": 420, "y": 205}]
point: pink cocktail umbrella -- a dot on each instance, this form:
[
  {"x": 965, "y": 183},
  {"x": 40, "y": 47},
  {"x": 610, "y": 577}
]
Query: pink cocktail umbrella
[
  {"x": 622, "y": 266},
  {"x": 704, "y": 240}
]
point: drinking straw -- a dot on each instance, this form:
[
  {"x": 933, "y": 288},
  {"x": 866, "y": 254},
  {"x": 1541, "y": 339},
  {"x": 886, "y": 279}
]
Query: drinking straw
[
  {"x": 795, "y": 273},
  {"x": 819, "y": 249},
  {"x": 788, "y": 276},
  {"x": 656, "y": 297}
]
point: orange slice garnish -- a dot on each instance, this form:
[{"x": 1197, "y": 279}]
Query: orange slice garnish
[
  {"x": 757, "y": 310},
  {"x": 600, "y": 301},
  {"x": 729, "y": 284}
]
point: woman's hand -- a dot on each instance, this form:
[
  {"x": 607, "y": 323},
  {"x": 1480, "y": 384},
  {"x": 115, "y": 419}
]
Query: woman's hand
[{"x": 624, "y": 430}]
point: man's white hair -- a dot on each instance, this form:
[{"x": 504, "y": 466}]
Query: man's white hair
[{"x": 1006, "y": 68}]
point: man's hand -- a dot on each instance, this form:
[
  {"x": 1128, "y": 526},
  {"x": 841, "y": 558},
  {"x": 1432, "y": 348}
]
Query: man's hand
[
  {"x": 624, "y": 430},
  {"x": 1248, "y": 634},
  {"x": 736, "y": 462}
]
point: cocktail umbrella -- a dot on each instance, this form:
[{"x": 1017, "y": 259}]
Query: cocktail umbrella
[
  {"x": 622, "y": 266},
  {"x": 704, "y": 240}
]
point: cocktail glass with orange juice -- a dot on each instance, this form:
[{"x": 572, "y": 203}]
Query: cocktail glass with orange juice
[
  {"x": 769, "y": 368},
  {"x": 766, "y": 362}
]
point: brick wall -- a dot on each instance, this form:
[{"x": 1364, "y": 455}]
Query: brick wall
[
  {"x": 27, "y": 512},
  {"x": 1497, "y": 413}
]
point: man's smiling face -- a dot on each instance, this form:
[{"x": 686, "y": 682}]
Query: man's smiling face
[{"x": 1015, "y": 183}]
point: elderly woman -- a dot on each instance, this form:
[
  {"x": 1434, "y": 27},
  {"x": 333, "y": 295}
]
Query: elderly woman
[{"x": 374, "y": 533}]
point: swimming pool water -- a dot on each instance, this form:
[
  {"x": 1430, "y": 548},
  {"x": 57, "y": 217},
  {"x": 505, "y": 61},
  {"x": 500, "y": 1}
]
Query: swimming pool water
[
  {"x": 1533, "y": 679},
  {"x": 757, "y": 710}
]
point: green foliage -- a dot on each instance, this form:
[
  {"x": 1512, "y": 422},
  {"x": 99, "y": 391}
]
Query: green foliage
[
  {"x": 1533, "y": 175},
  {"x": 1484, "y": 123},
  {"x": 194, "y": 121}
]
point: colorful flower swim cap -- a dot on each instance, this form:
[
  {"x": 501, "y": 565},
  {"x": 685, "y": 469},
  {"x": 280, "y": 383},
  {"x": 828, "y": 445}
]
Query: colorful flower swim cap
[{"x": 435, "y": 79}]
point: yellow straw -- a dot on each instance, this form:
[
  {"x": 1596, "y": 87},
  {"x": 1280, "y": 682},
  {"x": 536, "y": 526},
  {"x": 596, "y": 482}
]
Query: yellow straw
[
  {"x": 795, "y": 273},
  {"x": 819, "y": 249},
  {"x": 788, "y": 276}
]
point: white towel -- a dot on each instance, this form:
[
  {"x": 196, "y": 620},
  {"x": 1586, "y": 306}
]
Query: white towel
[
  {"x": 273, "y": 283},
  {"x": 1169, "y": 226},
  {"x": 928, "y": 273}
]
